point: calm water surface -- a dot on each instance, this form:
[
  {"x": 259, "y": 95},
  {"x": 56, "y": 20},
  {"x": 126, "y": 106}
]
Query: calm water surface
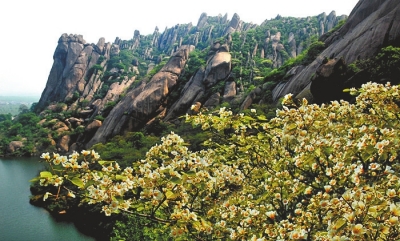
[{"x": 20, "y": 221}]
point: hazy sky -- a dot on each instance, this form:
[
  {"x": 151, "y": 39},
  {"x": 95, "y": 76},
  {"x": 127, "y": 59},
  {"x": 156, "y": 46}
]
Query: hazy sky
[{"x": 30, "y": 29}]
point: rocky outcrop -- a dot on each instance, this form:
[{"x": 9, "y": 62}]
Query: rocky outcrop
[
  {"x": 218, "y": 68},
  {"x": 370, "y": 26},
  {"x": 136, "y": 40},
  {"x": 229, "y": 91},
  {"x": 14, "y": 146},
  {"x": 113, "y": 94},
  {"x": 234, "y": 24},
  {"x": 63, "y": 144},
  {"x": 84, "y": 78},
  {"x": 93, "y": 126},
  {"x": 191, "y": 93},
  {"x": 59, "y": 126},
  {"x": 202, "y": 21},
  {"x": 145, "y": 101},
  {"x": 250, "y": 98},
  {"x": 213, "y": 101},
  {"x": 73, "y": 59},
  {"x": 290, "y": 75}
]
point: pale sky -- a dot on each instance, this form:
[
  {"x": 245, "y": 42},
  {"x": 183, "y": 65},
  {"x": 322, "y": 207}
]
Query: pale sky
[{"x": 30, "y": 29}]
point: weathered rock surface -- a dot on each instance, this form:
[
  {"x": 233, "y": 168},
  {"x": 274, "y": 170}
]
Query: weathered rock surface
[
  {"x": 74, "y": 122},
  {"x": 14, "y": 146},
  {"x": 213, "y": 101},
  {"x": 250, "y": 98},
  {"x": 191, "y": 93},
  {"x": 292, "y": 73},
  {"x": 60, "y": 126},
  {"x": 113, "y": 94},
  {"x": 73, "y": 80},
  {"x": 72, "y": 61},
  {"x": 229, "y": 91},
  {"x": 145, "y": 101},
  {"x": 93, "y": 126},
  {"x": 118, "y": 119},
  {"x": 217, "y": 69},
  {"x": 370, "y": 26},
  {"x": 63, "y": 144},
  {"x": 202, "y": 21}
]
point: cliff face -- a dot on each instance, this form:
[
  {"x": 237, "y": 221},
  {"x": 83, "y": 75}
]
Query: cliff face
[
  {"x": 145, "y": 101},
  {"x": 112, "y": 88},
  {"x": 72, "y": 60},
  {"x": 370, "y": 26}
]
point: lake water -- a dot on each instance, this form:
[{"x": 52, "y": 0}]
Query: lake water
[{"x": 21, "y": 221}]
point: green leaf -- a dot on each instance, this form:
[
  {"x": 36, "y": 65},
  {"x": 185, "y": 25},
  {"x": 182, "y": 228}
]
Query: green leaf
[
  {"x": 176, "y": 180},
  {"x": 262, "y": 118},
  {"x": 329, "y": 150},
  {"x": 197, "y": 225},
  {"x": 45, "y": 174},
  {"x": 105, "y": 162},
  {"x": 77, "y": 182},
  {"x": 291, "y": 126},
  {"x": 191, "y": 173},
  {"x": 120, "y": 177},
  {"x": 34, "y": 179},
  {"x": 318, "y": 151},
  {"x": 339, "y": 223},
  {"x": 170, "y": 195},
  {"x": 370, "y": 149},
  {"x": 89, "y": 183},
  {"x": 248, "y": 118}
]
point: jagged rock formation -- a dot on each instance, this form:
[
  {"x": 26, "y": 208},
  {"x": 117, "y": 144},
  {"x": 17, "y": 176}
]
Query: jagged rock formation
[
  {"x": 145, "y": 101},
  {"x": 191, "y": 94},
  {"x": 370, "y": 26},
  {"x": 218, "y": 68},
  {"x": 73, "y": 59},
  {"x": 112, "y": 88},
  {"x": 113, "y": 94}
]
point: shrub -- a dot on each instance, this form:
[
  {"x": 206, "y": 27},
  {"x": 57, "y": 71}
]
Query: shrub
[{"x": 328, "y": 172}]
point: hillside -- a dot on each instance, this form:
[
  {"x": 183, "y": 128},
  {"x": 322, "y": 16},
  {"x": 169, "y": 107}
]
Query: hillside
[
  {"x": 98, "y": 91},
  {"x": 113, "y": 88},
  {"x": 268, "y": 132}
]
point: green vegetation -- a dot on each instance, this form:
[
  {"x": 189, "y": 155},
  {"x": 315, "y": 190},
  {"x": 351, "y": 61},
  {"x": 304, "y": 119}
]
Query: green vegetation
[
  {"x": 385, "y": 66},
  {"x": 312, "y": 173},
  {"x": 24, "y": 128},
  {"x": 125, "y": 149},
  {"x": 238, "y": 176},
  {"x": 11, "y": 104}
]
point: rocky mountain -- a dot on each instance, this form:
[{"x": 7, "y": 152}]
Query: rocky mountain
[
  {"x": 107, "y": 89},
  {"x": 370, "y": 26}
]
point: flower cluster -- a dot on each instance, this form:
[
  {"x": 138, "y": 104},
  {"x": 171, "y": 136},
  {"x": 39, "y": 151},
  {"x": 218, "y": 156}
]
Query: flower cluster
[{"x": 315, "y": 172}]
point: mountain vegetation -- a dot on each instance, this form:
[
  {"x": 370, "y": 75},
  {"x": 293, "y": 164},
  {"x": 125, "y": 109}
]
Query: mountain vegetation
[
  {"x": 224, "y": 130},
  {"x": 326, "y": 172},
  {"x": 88, "y": 81}
]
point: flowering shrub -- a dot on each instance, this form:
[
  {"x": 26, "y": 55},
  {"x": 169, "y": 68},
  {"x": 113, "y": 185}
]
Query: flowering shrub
[{"x": 328, "y": 172}]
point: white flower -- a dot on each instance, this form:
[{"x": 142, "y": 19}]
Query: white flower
[
  {"x": 46, "y": 195},
  {"x": 45, "y": 156}
]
